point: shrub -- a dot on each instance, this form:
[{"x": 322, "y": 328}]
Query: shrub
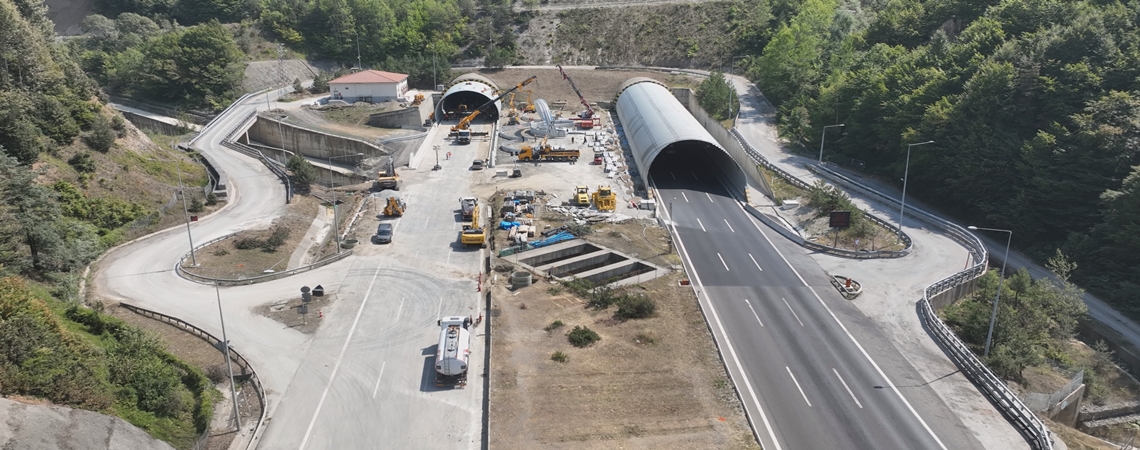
[
  {"x": 119, "y": 125},
  {"x": 559, "y": 356},
  {"x": 582, "y": 337},
  {"x": 211, "y": 199},
  {"x": 216, "y": 373},
  {"x": 280, "y": 234},
  {"x": 635, "y": 307},
  {"x": 297, "y": 88},
  {"x": 101, "y": 137},
  {"x": 303, "y": 172},
  {"x": 196, "y": 206},
  {"x": 247, "y": 243},
  {"x": 82, "y": 162},
  {"x": 554, "y": 325}
]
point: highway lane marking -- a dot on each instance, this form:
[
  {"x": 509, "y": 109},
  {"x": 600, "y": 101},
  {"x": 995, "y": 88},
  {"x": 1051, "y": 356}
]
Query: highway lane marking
[
  {"x": 694, "y": 175},
  {"x": 710, "y": 197},
  {"x": 702, "y": 226},
  {"x": 754, "y": 262},
  {"x": 398, "y": 311},
  {"x": 793, "y": 312},
  {"x": 798, "y": 386},
  {"x": 860, "y": 405},
  {"x": 340, "y": 357},
  {"x": 671, "y": 174},
  {"x": 757, "y": 316},
  {"x": 727, "y": 342},
  {"x": 439, "y": 310},
  {"x": 686, "y": 197},
  {"x": 878, "y": 369},
  {"x": 722, "y": 262},
  {"x": 426, "y": 220},
  {"x": 729, "y": 226},
  {"x": 378, "y": 379}
]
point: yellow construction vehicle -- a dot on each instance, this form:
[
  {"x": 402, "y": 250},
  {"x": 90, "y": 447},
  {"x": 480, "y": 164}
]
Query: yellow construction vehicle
[
  {"x": 581, "y": 196},
  {"x": 461, "y": 131},
  {"x": 394, "y": 207},
  {"x": 529, "y": 104},
  {"x": 605, "y": 199},
  {"x": 419, "y": 98},
  {"x": 547, "y": 152},
  {"x": 387, "y": 178},
  {"x": 473, "y": 233}
]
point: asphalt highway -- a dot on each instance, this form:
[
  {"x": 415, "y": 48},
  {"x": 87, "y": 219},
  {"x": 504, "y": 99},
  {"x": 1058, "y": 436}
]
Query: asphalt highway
[{"x": 811, "y": 372}]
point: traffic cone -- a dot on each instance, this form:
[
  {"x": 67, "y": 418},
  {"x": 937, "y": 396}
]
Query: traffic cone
[{"x": 320, "y": 314}]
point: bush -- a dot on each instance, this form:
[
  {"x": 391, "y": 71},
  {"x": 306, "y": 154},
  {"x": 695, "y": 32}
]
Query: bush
[
  {"x": 554, "y": 325},
  {"x": 635, "y": 307},
  {"x": 211, "y": 199},
  {"x": 82, "y": 162},
  {"x": 280, "y": 234},
  {"x": 196, "y": 206},
  {"x": 216, "y": 373},
  {"x": 559, "y": 356},
  {"x": 119, "y": 125},
  {"x": 303, "y": 172},
  {"x": 582, "y": 337},
  {"x": 101, "y": 137}
]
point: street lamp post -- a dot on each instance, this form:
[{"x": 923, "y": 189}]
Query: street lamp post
[
  {"x": 732, "y": 88},
  {"x": 1001, "y": 280},
  {"x": 822, "y": 136},
  {"x": 185, "y": 209},
  {"x": 229, "y": 368},
  {"x": 332, "y": 187},
  {"x": 906, "y": 172}
]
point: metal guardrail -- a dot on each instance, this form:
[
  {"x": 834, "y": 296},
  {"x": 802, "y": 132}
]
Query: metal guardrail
[
  {"x": 1027, "y": 423},
  {"x": 251, "y": 280},
  {"x": 215, "y": 119},
  {"x": 274, "y": 166},
  {"x": 243, "y": 363}
]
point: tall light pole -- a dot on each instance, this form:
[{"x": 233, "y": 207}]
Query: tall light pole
[
  {"x": 185, "y": 209},
  {"x": 226, "y": 343},
  {"x": 1001, "y": 280},
  {"x": 332, "y": 187},
  {"x": 906, "y": 172},
  {"x": 823, "y": 136},
  {"x": 732, "y": 88}
]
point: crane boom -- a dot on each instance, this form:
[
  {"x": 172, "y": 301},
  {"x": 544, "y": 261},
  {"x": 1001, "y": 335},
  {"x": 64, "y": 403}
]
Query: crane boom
[
  {"x": 589, "y": 112},
  {"x": 466, "y": 121}
]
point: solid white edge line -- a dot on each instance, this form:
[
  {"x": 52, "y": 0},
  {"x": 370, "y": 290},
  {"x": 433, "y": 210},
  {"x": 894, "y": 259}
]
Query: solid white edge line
[
  {"x": 757, "y": 316},
  {"x": 798, "y": 386},
  {"x": 726, "y": 269},
  {"x": 702, "y": 226},
  {"x": 729, "y": 226},
  {"x": 377, "y": 388},
  {"x": 797, "y": 316},
  {"x": 754, "y": 262},
  {"x": 686, "y": 197},
  {"x": 339, "y": 358},
  {"x": 860, "y": 405},
  {"x": 727, "y": 342},
  {"x": 849, "y": 336}
]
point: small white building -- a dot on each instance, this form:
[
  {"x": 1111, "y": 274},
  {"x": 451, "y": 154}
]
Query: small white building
[{"x": 369, "y": 86}]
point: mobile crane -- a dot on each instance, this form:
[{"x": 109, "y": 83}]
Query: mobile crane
[
  {"x": 462, "y": 132},
  {"x": 586, "y": 118}
]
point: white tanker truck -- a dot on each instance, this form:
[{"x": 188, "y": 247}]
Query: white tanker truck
[{"x": 451, "y": 358}]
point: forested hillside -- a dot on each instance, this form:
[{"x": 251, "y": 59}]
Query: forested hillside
[
  {"x": 1032, "y": 105},
  {"x": 75, "y": 179}
]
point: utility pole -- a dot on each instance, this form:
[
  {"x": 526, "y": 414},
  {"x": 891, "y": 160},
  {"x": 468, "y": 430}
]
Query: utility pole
[
  {"x": 226, "y": 343},
  {"x": 185, "y": 210},
  {"x": 358, "y": 65}
]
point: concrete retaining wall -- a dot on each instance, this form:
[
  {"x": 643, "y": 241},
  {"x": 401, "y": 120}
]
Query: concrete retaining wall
[
  {"x": 410, "y": 117},
  {"x": 149, "y": 124},
  {"x": 308, "y": 142},
  {"x": 722, "y": 136}
]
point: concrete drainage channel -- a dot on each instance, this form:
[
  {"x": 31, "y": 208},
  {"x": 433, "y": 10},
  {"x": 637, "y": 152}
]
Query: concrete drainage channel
[{"x": 577, "y": 259}]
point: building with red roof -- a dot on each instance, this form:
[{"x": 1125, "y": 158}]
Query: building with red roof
[{"x": 369, "y": 86}]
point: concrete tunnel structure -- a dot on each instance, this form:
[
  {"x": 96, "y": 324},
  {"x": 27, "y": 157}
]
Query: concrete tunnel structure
[
  {"x": 662, "y": 132},
  {"x": 473, "y": 90}
]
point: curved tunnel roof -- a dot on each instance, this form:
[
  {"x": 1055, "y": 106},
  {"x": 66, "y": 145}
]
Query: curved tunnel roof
[
  {"x": 653, "y": 119},
  {"x": 472, "y": 90}
]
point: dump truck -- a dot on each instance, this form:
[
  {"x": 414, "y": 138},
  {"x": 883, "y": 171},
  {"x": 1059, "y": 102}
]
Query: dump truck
[
  {"x": 581, "y": 196},
  {"x": 547, "y": 152},
  {"x": 605, "y": 199},
  {"x": 387, "y": 178},
  {"x": 467, "y": 207},
  {"x": 473, "y": 232},
  {"x": 452, "y": 355},
  {"x": 393, "y": 205}
]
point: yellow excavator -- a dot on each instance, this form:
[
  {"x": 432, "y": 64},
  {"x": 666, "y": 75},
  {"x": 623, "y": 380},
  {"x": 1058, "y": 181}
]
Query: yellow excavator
[
  {"x": 462, "y": 131},
  {"x": 387, "y": 178},
  {"x": 605, "y": 199},
  {"x": 473, "y": 233},
  {"x": 419, "y": 98},
  {"x": 582, "y": 196}
]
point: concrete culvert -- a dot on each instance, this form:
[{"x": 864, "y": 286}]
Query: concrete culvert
[{"x": 520, "y": 279}]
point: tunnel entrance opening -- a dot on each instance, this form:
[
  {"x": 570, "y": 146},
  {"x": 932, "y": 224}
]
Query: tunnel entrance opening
[
  {"x": 456, "y": 103},
  {"x": 698, "y": 166}
]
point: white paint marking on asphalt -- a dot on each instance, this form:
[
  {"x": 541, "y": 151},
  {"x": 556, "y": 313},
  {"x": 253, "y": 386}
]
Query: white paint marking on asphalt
[
  {"x": 339, "y": 358},
  {"x": 722, "y": 262},
  {"x": 757, "y": 316},
  {"x": 754, "y": 262},
  {"x": 798, "y": 386},
  {"x": 686, "y": 197},
  {"x": 378, "y": 379},
  {"x": 729, "y": 226},
  {"x": 797, "y": 316},
  {"x": 727, "y": 342},
  {"x": 449, "y": 252},
  {"x": 426, "y": 220},
  {"x": 710, "y": 197},
  {"x": 694, "y": 175},
  {"x": 671, "y": 174},
  {"x": 702, "y": 226},
  {"x": 860, "y": 405},
  {"x": 398, "y": 311},
  {"x": 849, "y": 336},
  {"x": 439, "y": 310}
]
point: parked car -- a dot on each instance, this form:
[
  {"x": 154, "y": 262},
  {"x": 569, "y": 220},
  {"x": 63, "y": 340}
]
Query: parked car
[
  {"x": 384, "y": 233},
  {"x": 477, "y": 164}
]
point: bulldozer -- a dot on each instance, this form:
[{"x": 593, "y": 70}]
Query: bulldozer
[
  {"x": 387, "y": 178},
  {"x": 394, "y": 207},
  {"x": 605, "y": 199},
  {"x": 581, "y": 196}
]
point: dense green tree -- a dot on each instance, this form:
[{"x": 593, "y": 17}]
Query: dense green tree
[
  {"x": 716, "y": 96},
  {"x": 198, "y": 67}
]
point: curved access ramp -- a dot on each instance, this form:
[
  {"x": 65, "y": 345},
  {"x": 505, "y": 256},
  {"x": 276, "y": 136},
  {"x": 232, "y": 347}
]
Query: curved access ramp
[
  {"x": 469, "y": 89},
  {"x": 665, "y": 138}
]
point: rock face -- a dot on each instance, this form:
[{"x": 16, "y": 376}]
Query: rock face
[{"x": 49, "y": 427}]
